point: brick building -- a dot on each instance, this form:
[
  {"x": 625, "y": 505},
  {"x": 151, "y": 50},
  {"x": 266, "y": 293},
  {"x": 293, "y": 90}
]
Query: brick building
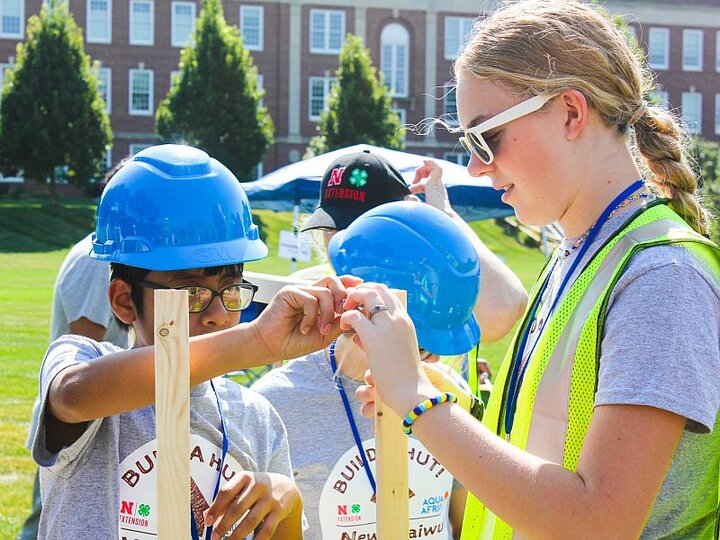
[{"x": 295, "y": 46}]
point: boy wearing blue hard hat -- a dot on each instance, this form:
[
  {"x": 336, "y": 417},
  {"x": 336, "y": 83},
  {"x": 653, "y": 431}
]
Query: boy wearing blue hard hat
[
  {"x": 417, "y": 248},
  {"x": 173, "y": 218}
]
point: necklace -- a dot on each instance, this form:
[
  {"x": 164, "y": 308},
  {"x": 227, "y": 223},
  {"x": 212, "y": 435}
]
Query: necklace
[{"x": 580, "y": 240}]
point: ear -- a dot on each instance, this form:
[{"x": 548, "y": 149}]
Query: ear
[
  {"x": 121, "y": 301},
  {"x": 575, "y": 108}
]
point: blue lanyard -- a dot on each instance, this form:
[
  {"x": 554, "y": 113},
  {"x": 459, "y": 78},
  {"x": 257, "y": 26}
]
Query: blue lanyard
[
  {"x": 518, "y": 372},
  {"x": 351, "y": 419},
  {"x": 225, "y": 444}
]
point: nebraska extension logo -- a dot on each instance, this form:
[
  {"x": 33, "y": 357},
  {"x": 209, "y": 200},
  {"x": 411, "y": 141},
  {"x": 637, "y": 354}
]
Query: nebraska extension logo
[
  {"x": 132, "y": 513},
  {"x": 342, "y": 513},
  {"x": 358, "y": 178}
]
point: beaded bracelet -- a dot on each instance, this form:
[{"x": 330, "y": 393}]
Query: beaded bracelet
[{"x": 424, "y": 406}]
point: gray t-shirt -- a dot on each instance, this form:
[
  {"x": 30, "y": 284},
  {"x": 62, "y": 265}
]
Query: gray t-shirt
[
  {"x": 103, "y": 485},
  {"x": 337, "y": 496},
  {"x": 661, "y": 348}
]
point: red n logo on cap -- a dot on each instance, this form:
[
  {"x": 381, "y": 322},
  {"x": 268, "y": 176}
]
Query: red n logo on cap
[{"x": 336, "y": 176}]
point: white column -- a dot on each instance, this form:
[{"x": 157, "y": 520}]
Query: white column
[
  {"x": 294, "y": 71},
  {"x": 431, "y": 91},
  {"x": 361, "y": 24}
]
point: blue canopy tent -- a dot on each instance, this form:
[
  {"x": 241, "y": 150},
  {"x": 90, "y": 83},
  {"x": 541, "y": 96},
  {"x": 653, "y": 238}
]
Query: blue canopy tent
[{"x": 296, "y": 187}]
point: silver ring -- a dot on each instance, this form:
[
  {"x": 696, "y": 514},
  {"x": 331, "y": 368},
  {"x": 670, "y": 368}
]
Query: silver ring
[{"x": 375, "y": 310}]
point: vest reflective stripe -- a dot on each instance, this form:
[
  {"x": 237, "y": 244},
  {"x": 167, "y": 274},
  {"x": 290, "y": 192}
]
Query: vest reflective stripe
[{"x": 555, "y": 403}]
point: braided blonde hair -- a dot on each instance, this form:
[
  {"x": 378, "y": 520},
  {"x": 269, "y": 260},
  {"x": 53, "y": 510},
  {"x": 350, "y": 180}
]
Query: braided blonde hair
[{"x": 547, "y": 46}]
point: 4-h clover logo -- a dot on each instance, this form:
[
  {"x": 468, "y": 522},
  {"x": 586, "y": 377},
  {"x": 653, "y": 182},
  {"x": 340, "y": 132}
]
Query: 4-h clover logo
[
  {"x": 144, "y": 510},
  {"x": 358, "y": 177},
  {"x": 355, "y": 508}
]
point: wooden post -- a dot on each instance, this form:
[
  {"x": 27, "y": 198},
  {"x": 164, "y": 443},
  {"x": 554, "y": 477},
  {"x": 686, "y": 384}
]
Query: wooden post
[
  {"x": 391, "y": 467},
  {"x": 172, "y": 413}
]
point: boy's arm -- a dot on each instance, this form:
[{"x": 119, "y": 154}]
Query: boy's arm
[{"x": 297, "y": 321}]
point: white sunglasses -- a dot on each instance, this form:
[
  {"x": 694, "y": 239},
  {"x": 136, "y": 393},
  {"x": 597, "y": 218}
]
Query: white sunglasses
[{"x": 473, "y": 141}]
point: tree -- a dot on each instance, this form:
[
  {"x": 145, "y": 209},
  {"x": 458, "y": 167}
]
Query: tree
[
  {"x": 52, "y": 115},
  {"x": 358, "y": 107},
  {"x": 214, "y": 103}
]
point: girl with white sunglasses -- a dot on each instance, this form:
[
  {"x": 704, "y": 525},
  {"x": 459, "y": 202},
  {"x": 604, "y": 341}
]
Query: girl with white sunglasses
[{"x": 603, "y": 419}]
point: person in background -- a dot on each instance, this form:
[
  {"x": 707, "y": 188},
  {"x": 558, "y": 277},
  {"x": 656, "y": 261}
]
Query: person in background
[
  {"x": 357, "y": 182},
  {"x": 583, "y": 436},
  {"x": 173, "y": 218},
  {"x": 80, "y": 306},
  {"x": 419, "y": 249}
]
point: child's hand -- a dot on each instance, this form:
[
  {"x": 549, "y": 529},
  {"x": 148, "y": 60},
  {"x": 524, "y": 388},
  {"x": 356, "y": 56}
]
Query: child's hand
[
  {"x": 443, "y": 381},
  {"x": 262, "y": 500},
  {"x": 428, "y": 180},
  {"x": 301, "y": 319},
  {"x": 439, "y": 379}
]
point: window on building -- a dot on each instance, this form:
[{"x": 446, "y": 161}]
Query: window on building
[
  {"x": 136, "y": 147},
  {"x": 450, "y": 105},
  {"x": 692, "y": 111},
  {"x": 327, "y": 31},
  {"x": 717, "y": 51},
  {"x": 461, "y": 158},
  {"x": 394, "y": 58},
  {"x": 663, "y": 98},
  {"x": 251, "y": 27},
  {"x": 457, "y": 32},
  {"x": 659, "y": 48},
  {"x": 3, "y": 70},
  {"x": 141, "y": 92},
  {"x": 717, "y": 114},
  {"x": 105, "y": 87},
  {"x": 99, "y": 21},
  {"x": 319, "y": 92},
  {"x": 12, "y": 18},
  {"x": 692, "y": 50},
  {"x": 183, "y": 23},
  {"x": 142, "y": 22},
  {"x": 174, "y": 76},
  {"x": 402, "y": 115}
]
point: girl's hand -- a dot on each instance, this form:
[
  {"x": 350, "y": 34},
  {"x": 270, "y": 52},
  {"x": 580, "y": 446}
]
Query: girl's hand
[
  {"x": 390, "y": 345},
  {"x": 256, "y": 502}
]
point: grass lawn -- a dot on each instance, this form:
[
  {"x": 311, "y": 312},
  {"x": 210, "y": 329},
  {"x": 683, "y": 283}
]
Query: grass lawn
[{"x": 33, "y": 242}]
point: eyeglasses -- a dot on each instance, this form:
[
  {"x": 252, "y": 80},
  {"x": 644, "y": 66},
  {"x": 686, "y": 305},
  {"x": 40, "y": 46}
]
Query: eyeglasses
[
  {"x": 473, "y": 141},
  {"x": 235, "y": 297}
]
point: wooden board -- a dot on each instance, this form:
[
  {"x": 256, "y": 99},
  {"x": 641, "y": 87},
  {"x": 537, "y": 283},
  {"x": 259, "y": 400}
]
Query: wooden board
[
  {"x": 172, "y": 409},
  {"x": 391, "y": 466}
]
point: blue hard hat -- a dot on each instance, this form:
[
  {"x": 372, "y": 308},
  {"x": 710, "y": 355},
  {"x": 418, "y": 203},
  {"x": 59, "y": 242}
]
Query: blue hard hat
[
  {"x": 173, "y": 207},
  {"x": 416, "y": 247}
]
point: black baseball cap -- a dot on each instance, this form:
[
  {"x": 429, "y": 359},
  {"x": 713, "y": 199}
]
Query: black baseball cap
[{"x": 352, "y": 185}]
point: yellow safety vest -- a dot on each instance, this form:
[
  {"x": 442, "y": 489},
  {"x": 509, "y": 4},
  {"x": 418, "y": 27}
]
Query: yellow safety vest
[{"x": 556, "y": 398}]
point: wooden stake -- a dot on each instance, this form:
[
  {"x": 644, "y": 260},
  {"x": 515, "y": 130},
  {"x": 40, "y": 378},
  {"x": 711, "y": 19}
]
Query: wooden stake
[
  {"x": 172, "y": 413},
  {"x": 391, "y": 467}
]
